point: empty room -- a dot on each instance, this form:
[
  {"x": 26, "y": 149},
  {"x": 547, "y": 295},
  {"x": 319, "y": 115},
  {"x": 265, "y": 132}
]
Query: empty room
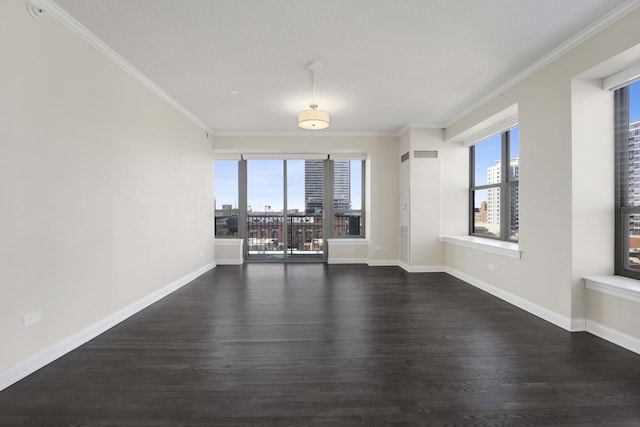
[{"x": 319, "y": 212}]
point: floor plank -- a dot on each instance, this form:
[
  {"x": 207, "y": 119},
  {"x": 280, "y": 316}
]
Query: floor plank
[{"x": 311, "y": 344}]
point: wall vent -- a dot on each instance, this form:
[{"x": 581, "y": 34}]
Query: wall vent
[
  {"x": 404, "y": 157},
  {"x": 425, "y": 154}
]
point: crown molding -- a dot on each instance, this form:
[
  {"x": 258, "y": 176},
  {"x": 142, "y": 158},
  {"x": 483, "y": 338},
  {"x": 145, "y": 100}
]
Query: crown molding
[
  {"x": 311, "y": 133},
  {"x": 610, "y": 18},
  {"x": 413, "y": 125},
  {"x": 80, "y": 30}
]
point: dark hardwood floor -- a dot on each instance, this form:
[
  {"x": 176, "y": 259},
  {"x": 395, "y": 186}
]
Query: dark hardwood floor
[{"x": 311, "y": 344}]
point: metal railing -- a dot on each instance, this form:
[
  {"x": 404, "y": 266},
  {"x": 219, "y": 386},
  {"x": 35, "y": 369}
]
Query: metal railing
[{"x": 266, "y": 232}]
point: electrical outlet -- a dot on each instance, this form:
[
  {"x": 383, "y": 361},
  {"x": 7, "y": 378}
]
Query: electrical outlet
[
  {"x": 32, "y": 318},
  {"x": 376, "y": 247}
]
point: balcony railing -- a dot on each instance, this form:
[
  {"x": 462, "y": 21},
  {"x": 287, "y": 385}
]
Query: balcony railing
[{"x": 265, "y": 232}]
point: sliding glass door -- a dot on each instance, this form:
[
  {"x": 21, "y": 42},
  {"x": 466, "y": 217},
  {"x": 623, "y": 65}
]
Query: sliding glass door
[
  {"x": 284, "y": 214},
  {"x": 305, "y": 208}
]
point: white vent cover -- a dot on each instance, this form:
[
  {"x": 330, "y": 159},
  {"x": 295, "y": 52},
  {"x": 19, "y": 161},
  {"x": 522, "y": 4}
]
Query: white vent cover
[{"x": 425, "y": 154}]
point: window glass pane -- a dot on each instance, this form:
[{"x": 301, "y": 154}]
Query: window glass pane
[
  {"x": 225, "y": 181},
  {"x": 347, "y": 197},
  {"x": 265, "y": 204},
  {"x": 264, "y": 186},
  {"x": 356, "y": 183},
  {"x": 633, "y": 243},
  {"x": 487, "y": 155},
  {"x": 486, "y": 212},
  {"x": 347, "y": 224},
  {"x": 304, "y": 207},
  {"x": 341, "y": 184},
  {"x": 634, "y": 145},
  {"x": 514, "y": 226},
  {"x": 296, "y": 186},
  {"x": 313, "y": 193},
  {"x": 514, "y": 153},
  {"x": 627, "y": 178}
]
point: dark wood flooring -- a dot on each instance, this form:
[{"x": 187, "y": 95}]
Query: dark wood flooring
[{"x": 311, "y": 344}]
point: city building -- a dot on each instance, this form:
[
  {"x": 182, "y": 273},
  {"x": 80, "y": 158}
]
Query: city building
[
  {"x": 494, "y": 176},
  {"x": 313, "y": 185},
  {"x": 480, "y": 214},
  {"x": 634, "y": 175}
]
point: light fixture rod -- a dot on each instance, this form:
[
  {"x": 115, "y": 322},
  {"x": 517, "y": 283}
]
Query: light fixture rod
[
  {"x": 314, "y": 85},
  {"x": 313, "y": 66}
]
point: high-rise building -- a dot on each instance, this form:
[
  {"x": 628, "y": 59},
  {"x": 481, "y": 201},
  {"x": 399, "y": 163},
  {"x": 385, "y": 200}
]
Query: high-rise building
[
  {"x": 313, "y": 189},
  {"x": 634, "y": 175},
  {"x": 341, "y": 184},
  {"x": 313, "y": 186},
  {"x": 494, "y": 176}
]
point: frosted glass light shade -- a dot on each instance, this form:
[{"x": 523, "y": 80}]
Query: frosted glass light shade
[{"x": 314, "y": 119}]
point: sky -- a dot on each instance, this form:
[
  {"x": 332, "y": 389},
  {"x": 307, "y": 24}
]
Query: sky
[
  {"x": 265, "y": 183},
  {"x": 489, "y": 150}
]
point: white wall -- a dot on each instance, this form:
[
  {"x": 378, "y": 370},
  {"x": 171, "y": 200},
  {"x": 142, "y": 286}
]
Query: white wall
[
  {"x": 552, "y": 163},
  {"x": 405, "y": 203},
  {"x": 105, "y": 189},
  {"x": 381, "y": 192},
  {"x": 420, "y": 190},
  {"x": 425, "y": 252},
  {"x": 454, "y": 200},
  {"x": 593, "y": 204}
]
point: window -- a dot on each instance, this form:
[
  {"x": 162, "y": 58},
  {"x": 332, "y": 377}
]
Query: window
[
  {"x": 226, "y": 198},
  {"x": 348, "y": 178},
  {"x": 243, "y": 187},
  {"x": 627, "y": 140},
  {"x": 493, "y": 189}
]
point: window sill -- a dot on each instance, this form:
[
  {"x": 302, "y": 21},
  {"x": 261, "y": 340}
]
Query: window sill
[
  {"x": 348, "y": 241},
  {"x": 228, "y": 241},
  {"x": 498, "y": 247},
  {"x": 617, "y": 286}
]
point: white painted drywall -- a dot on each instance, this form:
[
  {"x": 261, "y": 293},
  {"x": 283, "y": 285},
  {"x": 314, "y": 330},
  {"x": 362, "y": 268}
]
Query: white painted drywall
[
  {"x": 425, "y": 185},
  {"x": 106, "y": 190},
  {"x": 593, "y": 201}
]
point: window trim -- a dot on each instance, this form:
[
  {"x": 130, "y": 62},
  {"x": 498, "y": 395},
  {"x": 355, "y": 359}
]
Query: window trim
[{"x": 504, "y": 185}]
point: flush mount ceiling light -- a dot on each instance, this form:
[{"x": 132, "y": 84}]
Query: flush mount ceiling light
[{"x": 314, "y": 119}]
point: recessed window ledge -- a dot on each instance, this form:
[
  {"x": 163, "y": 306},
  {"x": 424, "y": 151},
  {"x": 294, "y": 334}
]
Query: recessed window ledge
[
  {"x": 227, "y": 241},
  {"x": 617, "y": 286},
  {"x": 348, "y": 241},
  {"x": 498, "y": 247}
]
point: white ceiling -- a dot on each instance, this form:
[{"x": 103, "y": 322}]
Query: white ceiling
[{"x": 386, "y": 63}]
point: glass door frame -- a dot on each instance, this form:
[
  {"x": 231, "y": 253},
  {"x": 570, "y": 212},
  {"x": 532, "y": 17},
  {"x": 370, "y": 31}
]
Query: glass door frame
[{"x": 327, "y": 213}]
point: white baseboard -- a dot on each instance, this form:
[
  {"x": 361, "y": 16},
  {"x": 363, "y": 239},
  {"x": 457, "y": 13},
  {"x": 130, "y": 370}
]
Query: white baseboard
[
  {"x": 422, "y": 268},
  {"x": 578, "y": 325},
  {"x": 230, "y": 261},
  {"x": 48, "y": 355},
  {"x": 382, "y": 263},
  {"x": 406, "y": 267},
  {"x": 618, "y": 338},
  {"x": 535, "y": 309},
  {"x": 347, "y": 261}
]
